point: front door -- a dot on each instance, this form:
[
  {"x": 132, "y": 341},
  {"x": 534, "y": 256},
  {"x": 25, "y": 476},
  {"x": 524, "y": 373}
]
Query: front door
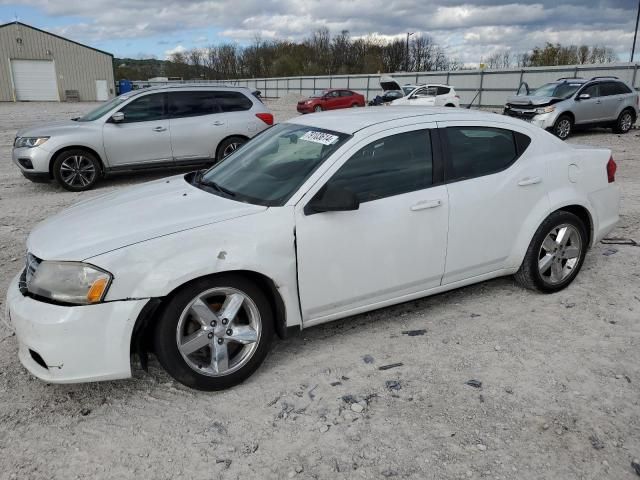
[
  {"x": 495, "y": 181},
  {"x": 332, "y": 100},
  {"x": 394, "y": 245},
  {"x": 143, "y": 136}
]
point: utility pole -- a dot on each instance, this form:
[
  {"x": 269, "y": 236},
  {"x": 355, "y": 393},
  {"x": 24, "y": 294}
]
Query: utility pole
[
  {"x": 635, "y": 35},
  {"x": 406, "y": 64}
]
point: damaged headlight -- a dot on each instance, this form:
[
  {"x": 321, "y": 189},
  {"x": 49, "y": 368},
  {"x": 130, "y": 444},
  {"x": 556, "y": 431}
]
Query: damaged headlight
[
  {"x": 69, "y": 282},
  {"x": 547, "y": 109},
  {"x": 29, "y": 142}
]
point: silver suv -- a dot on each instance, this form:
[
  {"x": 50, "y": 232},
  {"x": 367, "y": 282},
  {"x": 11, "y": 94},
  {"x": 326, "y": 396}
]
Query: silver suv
[
  {"x": 570, "y": 103},
  {"x": 161, "y": 127}
]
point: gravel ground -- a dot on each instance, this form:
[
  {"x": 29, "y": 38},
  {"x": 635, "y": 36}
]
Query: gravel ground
[{"x": 560, "y": 376}]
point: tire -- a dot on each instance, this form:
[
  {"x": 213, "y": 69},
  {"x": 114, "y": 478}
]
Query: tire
[
  {"x": 355, "y": 105},
  {"x": 563, "y": 127},
  {"x": 228, "y": 146},
  {"x": 450, "y": 105},
  {"x": 76, "y": 170},
  {"x": 317, "y": 108},
  {"x": 244, "y": 341},
  {"x": 624, "y": 122},
  {"x": 541, "y": 262}
]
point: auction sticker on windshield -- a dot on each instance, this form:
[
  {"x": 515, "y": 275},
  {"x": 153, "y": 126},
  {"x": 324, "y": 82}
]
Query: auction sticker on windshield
[{"x": 319, "y": 137}]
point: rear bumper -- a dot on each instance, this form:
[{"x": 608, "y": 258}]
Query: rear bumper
[
  {"x": 606, "y": 203},
  {"x": 70, "y": 344}
]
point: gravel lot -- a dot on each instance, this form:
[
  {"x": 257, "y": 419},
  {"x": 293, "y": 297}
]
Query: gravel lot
[{"x": 560, "y": 376}]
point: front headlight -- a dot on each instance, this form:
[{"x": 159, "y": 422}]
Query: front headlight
[
  {"x": 29, "y": 142},
  {"x": 548, "y": 109},
  {"x": 69, "y": 282}
]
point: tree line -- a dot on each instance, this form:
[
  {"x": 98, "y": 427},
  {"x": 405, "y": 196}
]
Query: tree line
[{"x": 323, "y": 54}]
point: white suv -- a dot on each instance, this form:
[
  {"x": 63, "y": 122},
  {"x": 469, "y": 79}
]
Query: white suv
[
  {"x": 170, "y": 126},
  {"x": 430, "y": 95}
]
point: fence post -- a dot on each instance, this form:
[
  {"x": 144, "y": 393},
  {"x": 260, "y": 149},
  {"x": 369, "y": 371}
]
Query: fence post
[
  {"x": 368, "y": 78},
  {"x": 348, "y": 78},
  {"x": 314, "y": 85},
  {"x": 480, "y": 92},
  {"x": 635, "y": 72},
  {"x": 448, "y": 75}
]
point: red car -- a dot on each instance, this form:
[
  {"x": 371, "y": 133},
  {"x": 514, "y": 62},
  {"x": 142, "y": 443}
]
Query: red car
[{"x": 330, "y": 100}]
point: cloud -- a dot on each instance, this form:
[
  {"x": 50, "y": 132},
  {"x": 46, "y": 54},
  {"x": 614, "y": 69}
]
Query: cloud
[
  {"x": 467, "y": 28},
  {"x": 176, "y": 49}
]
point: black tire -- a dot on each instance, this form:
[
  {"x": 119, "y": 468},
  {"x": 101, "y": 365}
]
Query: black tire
[
  {"x": 317, "y": 108},
  {"x": 529, "y": 275},
  {"x": 228, "y": 146},
  {"x": 450, "y": 105},
  {"x": 563, "y": 127},
  {"x": 166, "y": 343},
  {"x": 624, "y": 122},
  {"x": 76, "y": 170}
]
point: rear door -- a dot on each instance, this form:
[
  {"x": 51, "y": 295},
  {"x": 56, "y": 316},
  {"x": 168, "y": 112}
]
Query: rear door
[
  {"x": 239, "y": 114},
  {"x": 197, "y": 125},
  {"x": 494, "y": 183},
  {"x": 443, "y": 96},
  {"x": 613, "y": 96},
  {"x": 143, "y": 137},
  {"x": 347, "y": 99}
]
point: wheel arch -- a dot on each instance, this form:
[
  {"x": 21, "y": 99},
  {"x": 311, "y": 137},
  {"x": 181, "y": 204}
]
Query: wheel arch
[
  {"x": 569, "y": 114},
  {"x": 144, "y": 327},
  {"x": 631, "y": 110},
  {"x": 60, "y": 151}
]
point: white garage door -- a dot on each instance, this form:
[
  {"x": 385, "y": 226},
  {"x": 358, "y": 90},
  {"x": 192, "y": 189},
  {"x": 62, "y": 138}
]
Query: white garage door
[{"x": 34, "y": 80}]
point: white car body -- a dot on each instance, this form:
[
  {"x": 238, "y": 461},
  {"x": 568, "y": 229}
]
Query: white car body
[
  {"x": 427, "y": 95},
  {"x": 156, "y": 237}
]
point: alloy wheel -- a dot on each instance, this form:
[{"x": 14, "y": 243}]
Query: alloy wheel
[
  {"x": 625, "y": 122},
  {"x": 559, "y": 254},
  {"x": 77, "y": 171},
  {"x": 218, "y": 332},
  {"x": 229, "y": 149},
  {"x": 564, "y": 128}
]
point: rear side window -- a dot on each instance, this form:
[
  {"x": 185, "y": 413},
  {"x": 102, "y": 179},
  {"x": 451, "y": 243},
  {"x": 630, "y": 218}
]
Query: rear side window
[
  {"x": 346, "y": 93},
  {"x": 443, "y": 90},
  {"x": 192, "y": 104},
  {"x": 233, "y": 101},
  {"x": 390, "y": 166},
  {"x": 145, "y": 109},
  {"x": 613, "y": 88},
  {"x": 479, "y": 151}
]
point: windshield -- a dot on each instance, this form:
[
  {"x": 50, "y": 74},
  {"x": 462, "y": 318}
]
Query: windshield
[
  {"x": 408, "y": 89},
  {"x": 557, "y": 90},
  {"x": 270, "y": 168},
  {"x": 102, "y": 109}
]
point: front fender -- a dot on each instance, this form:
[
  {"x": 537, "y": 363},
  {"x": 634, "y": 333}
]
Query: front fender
[{"x": 262, "y": 243}]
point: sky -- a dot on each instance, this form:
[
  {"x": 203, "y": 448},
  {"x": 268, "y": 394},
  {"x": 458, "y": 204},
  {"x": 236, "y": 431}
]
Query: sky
[{"x": 468, "y": 30}]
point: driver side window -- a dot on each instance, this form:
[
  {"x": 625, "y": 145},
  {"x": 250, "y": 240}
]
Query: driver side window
[
  {"x": 390, "y": 166},
  {"x": 145, "y": 109},
  {"x": 592, "y": 90}
]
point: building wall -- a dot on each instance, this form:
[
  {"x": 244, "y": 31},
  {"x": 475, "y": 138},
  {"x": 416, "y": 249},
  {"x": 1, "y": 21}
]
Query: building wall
[{"x": 77, "y": 67}]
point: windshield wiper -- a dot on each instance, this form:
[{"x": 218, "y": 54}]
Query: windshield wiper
[{"x": 210, "y": 183}]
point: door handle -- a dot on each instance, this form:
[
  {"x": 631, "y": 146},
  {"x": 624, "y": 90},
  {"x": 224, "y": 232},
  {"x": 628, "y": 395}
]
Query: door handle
[
  {"x": 218, "y": 123},
  {"x": 159, "y": 129},
  {"x": 529, "y": 181},
  {"x": 426, "y": 204}
]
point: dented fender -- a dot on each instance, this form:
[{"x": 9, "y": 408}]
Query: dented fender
[{"x": 262, "y": 243}]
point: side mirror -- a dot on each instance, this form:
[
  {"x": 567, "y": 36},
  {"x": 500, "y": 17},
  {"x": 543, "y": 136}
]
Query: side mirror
[
  {"x": 583, "y": 96},
  {"x": 117, "y": 117},
  {"x": 332, "y": 199}
]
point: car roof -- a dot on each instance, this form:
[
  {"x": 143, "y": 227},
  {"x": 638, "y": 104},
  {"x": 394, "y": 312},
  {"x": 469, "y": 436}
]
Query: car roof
[
  {"x": 351, "y": 120},
  {"x": 186, "y": 86}
]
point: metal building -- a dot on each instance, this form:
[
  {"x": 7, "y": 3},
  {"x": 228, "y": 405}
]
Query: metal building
[{"x": 39, "y": 66}]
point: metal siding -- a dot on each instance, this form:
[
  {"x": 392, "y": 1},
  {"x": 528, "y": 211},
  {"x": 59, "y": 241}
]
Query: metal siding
[{"x": 77, "y": 67}]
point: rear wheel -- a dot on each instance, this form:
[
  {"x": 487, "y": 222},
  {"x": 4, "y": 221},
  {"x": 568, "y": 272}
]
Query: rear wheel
[
  {"x": 228, "y": 146},
  {"x": 556, "y": 253},
  {"x": 624, "y": 122},
  {"x": 563, "y": 127},
  {"x": 215, "y": 332},
  {"x": 76, "y": 170}
]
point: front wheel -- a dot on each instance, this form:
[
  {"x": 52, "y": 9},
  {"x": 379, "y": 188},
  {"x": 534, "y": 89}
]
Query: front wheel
[
  {"x": 317, "y": 108},
  {"x": 624, "y": 122},
  {"x": 556, "y": 253},
  {"x": 215, "y": 332},
  {"x": 563, "y": 127},
  {"x": 76, "y": 170}
]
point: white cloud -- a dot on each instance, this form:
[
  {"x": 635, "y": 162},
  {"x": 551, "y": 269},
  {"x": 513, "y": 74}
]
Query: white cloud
[{"x": 176, "y": 49}]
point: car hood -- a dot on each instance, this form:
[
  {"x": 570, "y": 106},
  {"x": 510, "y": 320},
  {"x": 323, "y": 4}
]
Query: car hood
[
  {"x": 48, "y": 129},
  {"x": 530, "y": 100},
  {"x": 388, "y": 83},
  {"x": 129, "y": 216}
]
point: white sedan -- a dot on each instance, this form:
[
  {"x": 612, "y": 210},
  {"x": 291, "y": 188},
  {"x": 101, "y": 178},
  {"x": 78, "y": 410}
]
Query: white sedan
[{"x": 316, "y": 219}]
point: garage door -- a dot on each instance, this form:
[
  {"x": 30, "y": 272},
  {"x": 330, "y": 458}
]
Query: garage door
[{"x": 34, "y": 80}]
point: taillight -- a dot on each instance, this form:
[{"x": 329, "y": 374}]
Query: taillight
[
  {"x": 611, "y": 170},
  {"x": 265, "y": 117}
]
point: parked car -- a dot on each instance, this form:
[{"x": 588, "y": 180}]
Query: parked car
[
  {"x": 331, "y": 99},
  {"x": 424, "y": 95},
  {"x": 151, "y": 128},
  {"x": 316, "y": 219},
  {"x": 571, "y": 103}
]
